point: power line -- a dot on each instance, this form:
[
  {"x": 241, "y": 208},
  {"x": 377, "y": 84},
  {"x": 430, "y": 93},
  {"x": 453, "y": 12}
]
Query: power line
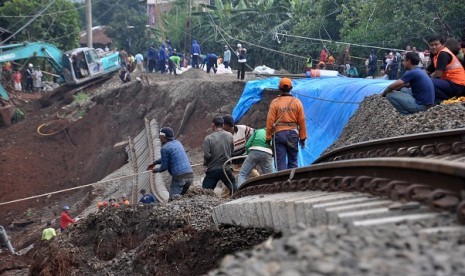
[
  {"x": 45, "y": 14},
  {"x": 340, "y": 42},
  {"x": 29, "y": 22}
]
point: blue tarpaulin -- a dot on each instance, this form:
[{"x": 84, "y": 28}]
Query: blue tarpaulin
[{"x": 328, "y": 103}]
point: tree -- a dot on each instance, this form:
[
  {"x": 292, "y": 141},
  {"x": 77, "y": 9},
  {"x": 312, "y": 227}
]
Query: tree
[{"x": 58, "y": 25}]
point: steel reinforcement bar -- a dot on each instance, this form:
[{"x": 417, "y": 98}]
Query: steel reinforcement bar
[
  {"x": 436, "y": 183},
  {"x": 431, "y": 144}
]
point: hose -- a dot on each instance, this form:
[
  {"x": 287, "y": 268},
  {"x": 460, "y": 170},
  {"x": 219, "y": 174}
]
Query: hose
[
  {"x": 224, "y": 169},
  {"x": 39, "y": 128}
]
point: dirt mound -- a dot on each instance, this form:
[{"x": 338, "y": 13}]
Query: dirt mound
[
  {"x": 178, "y": 238},
  {"x": 376, "y": 118},
  {"x": 83, "y": 153}
]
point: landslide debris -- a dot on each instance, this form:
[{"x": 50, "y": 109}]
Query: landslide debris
[
  {"x": 376, "y": 118},
  {"x": 176, "y": 238}
]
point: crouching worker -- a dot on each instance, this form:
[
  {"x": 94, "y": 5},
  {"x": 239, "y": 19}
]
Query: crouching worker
[
  {"x": 175, "y": 160},
  {"x": 65, "y": 219},
  {"x": 48, "y": 232},
  {"x": 258, "y": 153},
  {"x": 420, "y": 95},
  {"x": 124, "y": 75}
]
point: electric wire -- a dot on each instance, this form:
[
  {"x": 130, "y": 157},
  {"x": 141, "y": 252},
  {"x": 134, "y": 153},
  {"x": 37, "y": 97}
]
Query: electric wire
[{"x": 29, "y": 22}]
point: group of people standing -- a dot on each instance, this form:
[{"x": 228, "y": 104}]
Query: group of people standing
[{"x": 32, "y": 76}]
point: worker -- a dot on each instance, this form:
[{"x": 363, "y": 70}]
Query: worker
[
  {"x": 29, "y": 78},
  {"x": 37, "y": 82},
  {"x": 217, "y": 149},
  {"x": 17, "y": 76},
  {"x": 258, "y": 153},
  {"x": 173, "y": 64},
  {"x": 309, "y": 64},
  {"x": 102, "y": 204},
  {"x": 212, "y": 62},
  {"x": 241, "y": 59},
  {"x": 162, "y": 59},
  {"x": 48, "y": 232},
  {"x": 175, "y": 160},
  {"x": 152, "y": 56},
  {"x": 147, "y": 198},
  {"x": 195, "y": 54},
  {"x": 123, "y": 56},
  {"x": 446, "y": 71},
  {"x": 285, "y": 123},
  {"x": 124, "y": 201},
  {"x": 139, "y": 63},
  {"x": 112, "y": 203},
  {"x": 124, "y": 75},
  {"x": 227, "y": 57},
  {"x": 241, "y": 133},
  {"x": 65, "y": 218},
  {"x": 420, "y": 95}
]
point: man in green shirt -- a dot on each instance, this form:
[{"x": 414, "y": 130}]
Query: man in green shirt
[
  {"x": 48, "y": 232},
  {"x": 173, "y": 63},
  {"x": 258, "y": 153}
]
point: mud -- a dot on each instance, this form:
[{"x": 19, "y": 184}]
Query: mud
[
  {"x": 178, "y": 238},
  {"x": 32, "y": 164}
]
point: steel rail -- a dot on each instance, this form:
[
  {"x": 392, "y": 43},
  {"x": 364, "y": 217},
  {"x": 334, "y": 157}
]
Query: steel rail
[
  {"x": 437, "y": 183},
  {"x": 429, "y": 144}
]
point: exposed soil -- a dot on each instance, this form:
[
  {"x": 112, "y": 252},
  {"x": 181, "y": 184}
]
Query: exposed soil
[{"x": 83, "y": 153}]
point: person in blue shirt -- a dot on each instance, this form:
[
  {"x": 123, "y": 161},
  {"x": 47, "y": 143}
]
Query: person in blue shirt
[
  {"x": 147, "y": 198},
  {"x": 175, "y": 160},
  {"x": 162, "y": 59},
  {"x": 196, "y": 54},
  {"x": 212, "y": 62},
  {"x": 420, "y": 95},
  {"x": 152, "y": 56}
]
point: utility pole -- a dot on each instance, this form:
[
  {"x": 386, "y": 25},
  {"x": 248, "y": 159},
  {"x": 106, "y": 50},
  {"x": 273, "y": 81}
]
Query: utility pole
[{"x": 89, "y": 23}]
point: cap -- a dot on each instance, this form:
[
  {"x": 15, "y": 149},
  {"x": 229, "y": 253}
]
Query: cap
[
  {"x": 285, "y": 83},
  {"x": 228, "y": 120},
  {"x": 167, "y": 132}
]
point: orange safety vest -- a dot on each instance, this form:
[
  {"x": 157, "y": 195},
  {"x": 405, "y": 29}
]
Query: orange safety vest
[{"x": 454, "y": 70}]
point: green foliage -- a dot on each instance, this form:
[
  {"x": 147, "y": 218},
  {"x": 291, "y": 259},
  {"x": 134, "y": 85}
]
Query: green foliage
[
  {"x": 80, "y": 98},
  {"x": 58, "y": 25}
]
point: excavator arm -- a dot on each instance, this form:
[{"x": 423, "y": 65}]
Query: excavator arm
[{"x": 25, "y": 51}]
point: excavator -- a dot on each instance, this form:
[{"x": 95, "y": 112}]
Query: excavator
[{"x": 73, "y": 67}]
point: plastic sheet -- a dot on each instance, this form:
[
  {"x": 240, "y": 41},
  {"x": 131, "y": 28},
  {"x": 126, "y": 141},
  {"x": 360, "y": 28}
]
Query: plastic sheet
[{"x": 328, "y": 102}]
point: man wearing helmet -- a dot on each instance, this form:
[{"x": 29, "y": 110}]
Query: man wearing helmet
[
  {"x": 65, "y": 219},
  {"x": 29, "y": 78},
  {"x": 285, "y": 123}
]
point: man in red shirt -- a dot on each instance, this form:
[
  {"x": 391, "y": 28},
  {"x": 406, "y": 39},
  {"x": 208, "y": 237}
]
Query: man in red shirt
[{"x": 65, "y": 218}]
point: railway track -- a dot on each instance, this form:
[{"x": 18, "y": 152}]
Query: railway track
[
  {"x": 363, "y": 184},
  {"x": 447, "y": 145}
]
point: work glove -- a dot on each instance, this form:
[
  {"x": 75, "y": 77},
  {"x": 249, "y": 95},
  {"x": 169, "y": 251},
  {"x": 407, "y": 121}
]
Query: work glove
[
  {"x": 302, "y": 143},
  {"x": 155, "y": 170},
  {"x": 150, "y": 167}
]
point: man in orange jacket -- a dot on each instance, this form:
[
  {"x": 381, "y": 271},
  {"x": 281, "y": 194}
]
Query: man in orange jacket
[
  {"x": 285, "y": 123},
  {"x": 446, "y": 71}
]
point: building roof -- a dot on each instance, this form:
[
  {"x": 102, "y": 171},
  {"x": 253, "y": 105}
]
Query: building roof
[{"x": 98, "y": 36}]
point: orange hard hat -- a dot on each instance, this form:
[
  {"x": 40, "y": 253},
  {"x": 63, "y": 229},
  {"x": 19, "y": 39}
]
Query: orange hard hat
[{"x": 285, "y": 83}]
